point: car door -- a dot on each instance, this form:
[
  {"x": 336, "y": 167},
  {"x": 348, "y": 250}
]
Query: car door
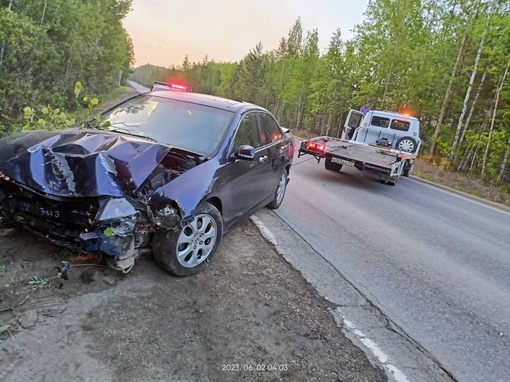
[
  {"x": 277, "y": 150},
  {"x": 352, "y": 122},
  {"x": 247, "y": 184}
]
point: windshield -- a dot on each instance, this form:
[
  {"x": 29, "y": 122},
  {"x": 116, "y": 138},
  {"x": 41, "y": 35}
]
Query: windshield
[{"x": 193, "y": 127}]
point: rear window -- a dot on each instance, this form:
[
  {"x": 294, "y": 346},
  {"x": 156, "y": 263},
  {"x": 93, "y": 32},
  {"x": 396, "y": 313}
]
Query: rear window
[
  {"x": 398, "y": 124},
  {"x": 395, "y": 124},
  {"x": 380, "y": 121}
]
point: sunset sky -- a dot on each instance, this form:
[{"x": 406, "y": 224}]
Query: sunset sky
[{"x": 164, "y": 31}]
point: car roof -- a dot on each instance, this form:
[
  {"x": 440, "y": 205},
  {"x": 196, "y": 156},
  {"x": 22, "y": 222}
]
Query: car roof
[
  {"x": 392, "y": 114},
  {"x": 205, "y": 99}
]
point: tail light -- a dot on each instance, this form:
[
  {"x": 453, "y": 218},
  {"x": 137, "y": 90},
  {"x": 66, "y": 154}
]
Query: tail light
[{"x": 310, "y": 145}]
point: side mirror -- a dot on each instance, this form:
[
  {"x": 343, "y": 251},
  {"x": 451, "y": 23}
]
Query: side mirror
[{"x": 245, "y": 152}]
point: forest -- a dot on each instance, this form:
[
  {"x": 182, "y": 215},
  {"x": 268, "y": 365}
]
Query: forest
[
  {"x": 443, "y": 61},
  {"x": 47, "y": 46}
]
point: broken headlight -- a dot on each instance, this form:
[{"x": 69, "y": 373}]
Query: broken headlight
[{"x": 116, "y": 208}]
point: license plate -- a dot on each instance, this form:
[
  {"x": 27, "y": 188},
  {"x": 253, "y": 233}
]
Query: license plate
[
  {"x": 342, "y": 162},
  {"x": 49, "y": 213},
  {"x": 44, "y": 212}
]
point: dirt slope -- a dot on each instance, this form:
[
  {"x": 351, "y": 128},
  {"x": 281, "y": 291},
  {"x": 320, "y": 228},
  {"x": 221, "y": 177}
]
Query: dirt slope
[{"x": 248, "y": 317}]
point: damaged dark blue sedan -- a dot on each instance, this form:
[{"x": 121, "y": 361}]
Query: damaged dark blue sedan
[{"x": 167, "y": 172}]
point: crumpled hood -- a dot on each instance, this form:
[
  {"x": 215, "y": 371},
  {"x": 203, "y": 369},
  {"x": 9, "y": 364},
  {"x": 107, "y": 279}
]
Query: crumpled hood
[{"x": 79, "y": 163}]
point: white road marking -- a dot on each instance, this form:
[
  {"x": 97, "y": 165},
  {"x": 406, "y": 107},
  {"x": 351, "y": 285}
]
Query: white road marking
[
  {"x": 264, "y": 230},
  {"x": 397, "y": 374},
  {"x": 371, "y": 346}
]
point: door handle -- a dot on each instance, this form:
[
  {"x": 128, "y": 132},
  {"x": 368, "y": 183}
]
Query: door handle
[{"x": 263, "y": 159}]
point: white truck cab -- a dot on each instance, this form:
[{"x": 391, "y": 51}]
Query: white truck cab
[{"x": 383, "y": 128}]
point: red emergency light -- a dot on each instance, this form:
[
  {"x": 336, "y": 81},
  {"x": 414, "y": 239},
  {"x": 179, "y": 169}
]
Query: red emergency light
[{"x": 177, "y": 87}]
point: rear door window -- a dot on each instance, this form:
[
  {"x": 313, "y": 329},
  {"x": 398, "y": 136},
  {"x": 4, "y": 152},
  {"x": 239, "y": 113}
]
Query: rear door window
[
  {"x": 380, "y": 121},
  {"x": 271, "y": 132},
  {"x": 398, "y": 124}
]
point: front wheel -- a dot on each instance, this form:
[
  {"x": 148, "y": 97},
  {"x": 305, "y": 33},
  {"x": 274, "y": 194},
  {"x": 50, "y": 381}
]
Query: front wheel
[
  {"x": 279, "y": 193},
  {"x": 186, "y": 250}
]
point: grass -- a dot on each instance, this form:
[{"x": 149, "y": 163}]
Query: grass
[
  {"x": 112, "y": 98},
  {"x": 8, "y": 280},
  {"x": 105, "y": 102},
  {"x": 5, "y": 329},
  {"x": 427, "y": 169}
]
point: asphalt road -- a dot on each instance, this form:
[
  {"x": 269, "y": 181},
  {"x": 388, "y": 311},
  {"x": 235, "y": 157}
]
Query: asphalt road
[
  {"x": 419, "y": 271},
  {"x": 139, "y": 88}
]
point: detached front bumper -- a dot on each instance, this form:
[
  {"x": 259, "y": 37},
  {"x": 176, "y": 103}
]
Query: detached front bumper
[
  {"x": 115, "y": 242},
  {"x": 119, "y": 242},
  {"x": 112, "y": 227}
]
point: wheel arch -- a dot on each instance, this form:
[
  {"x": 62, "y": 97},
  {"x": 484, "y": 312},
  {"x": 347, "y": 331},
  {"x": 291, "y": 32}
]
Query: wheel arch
[{"x": 216, "y": 202}]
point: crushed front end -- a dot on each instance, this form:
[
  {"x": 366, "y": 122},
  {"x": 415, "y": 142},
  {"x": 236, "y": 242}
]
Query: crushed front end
[
  {"x": 95, "y": 191},
  {"x": 114, "y": 226}
]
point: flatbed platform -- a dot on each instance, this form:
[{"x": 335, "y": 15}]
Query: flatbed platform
[
  {"x": 360, "y": 152},
  {"x": 389, "y": 163}
]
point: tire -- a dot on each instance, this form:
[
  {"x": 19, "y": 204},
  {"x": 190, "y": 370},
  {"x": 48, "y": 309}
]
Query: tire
[
  {"x": 332, "y": 166},
  {"x": 390, "y": 181},
  {"x": 408, "y": 167},
  {"x": 406, "y": 144},
  {"x": 279, "y": 193},
  {"x": 186, "y": 250}
]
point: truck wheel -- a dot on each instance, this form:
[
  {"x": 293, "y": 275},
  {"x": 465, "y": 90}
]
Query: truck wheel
[
  {"x": 407, "y": 169},
  {"x": 332, "y": 166},
  {"x": 185, "y": 251},
  {"x": 279, "y": 193},
  {"x": 406, "y": 144},
  {"x": 388, "y": 180}
]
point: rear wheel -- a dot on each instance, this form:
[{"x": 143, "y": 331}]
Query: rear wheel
[
  {"x": 328, "y": 163},
  {"x": 186, "y": 250},
  {"x": 279, "y": 193},
  {"x": 391, "y": 180},
  {"x": 407, "y": 169}
]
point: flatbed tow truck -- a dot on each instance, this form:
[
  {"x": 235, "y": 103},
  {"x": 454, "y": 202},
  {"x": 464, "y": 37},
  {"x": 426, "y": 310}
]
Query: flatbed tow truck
[{"x": 370, "y": 148}]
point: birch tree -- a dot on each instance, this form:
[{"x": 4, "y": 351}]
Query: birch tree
[
  {"x": 471, "y": 81},
  {"x": 493, "y": 119}
]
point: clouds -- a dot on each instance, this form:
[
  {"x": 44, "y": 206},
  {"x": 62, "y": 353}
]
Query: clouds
[{"x": 164, "y": 31}]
